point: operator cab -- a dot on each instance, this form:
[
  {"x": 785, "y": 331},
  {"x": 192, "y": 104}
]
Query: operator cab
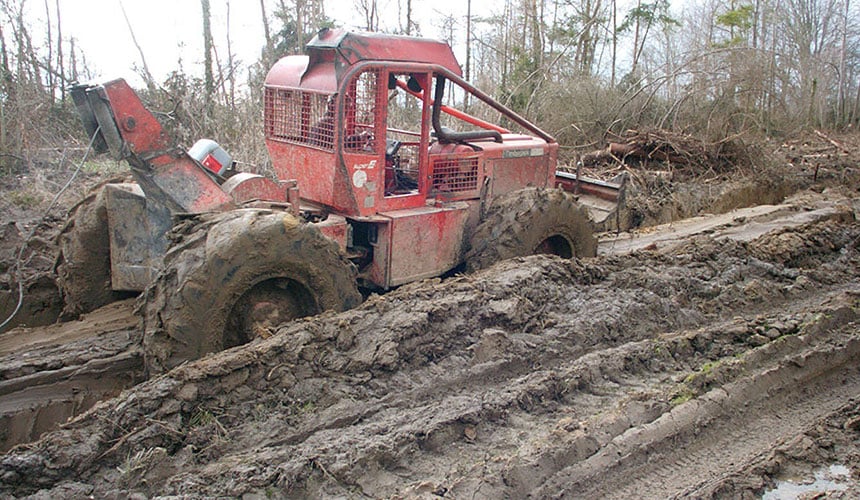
[{"x": 355, "y": 123}]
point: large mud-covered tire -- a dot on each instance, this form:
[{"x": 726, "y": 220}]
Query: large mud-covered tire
[
  {"x": 532, "y": 221},
  {"x": 83, "y": 263},
  {"x": 225, "y": 268}
]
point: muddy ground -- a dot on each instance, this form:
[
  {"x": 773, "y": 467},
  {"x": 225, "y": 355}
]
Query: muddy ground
[
  {"x": 713, "y": 357},
  {"x": 34, "y": 201}
]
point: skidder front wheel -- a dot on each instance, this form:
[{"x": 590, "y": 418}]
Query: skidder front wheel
[
  {"x": 235, "y": 277},
  {"x": 532, "y": 221}
]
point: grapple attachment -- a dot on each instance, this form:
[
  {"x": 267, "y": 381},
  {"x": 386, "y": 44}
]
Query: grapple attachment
[{"x": 126, "y": 129}]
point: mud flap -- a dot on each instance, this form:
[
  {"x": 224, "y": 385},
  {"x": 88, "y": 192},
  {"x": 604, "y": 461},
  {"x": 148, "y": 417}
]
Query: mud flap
[
  {"x": 138, "y": 236},
  {"x": 605, "y": 201}
]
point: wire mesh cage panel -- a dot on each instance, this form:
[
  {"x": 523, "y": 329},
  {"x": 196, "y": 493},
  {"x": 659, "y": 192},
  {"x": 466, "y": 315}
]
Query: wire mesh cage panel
[
  {"x": 300, "y": 117},
  {"x": 454, "y": 174}
]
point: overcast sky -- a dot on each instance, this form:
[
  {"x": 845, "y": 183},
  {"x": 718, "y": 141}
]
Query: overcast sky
[{"x": 170, "y": 30}]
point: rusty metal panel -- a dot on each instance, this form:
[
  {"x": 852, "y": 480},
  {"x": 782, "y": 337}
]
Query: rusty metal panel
[
  {"x": 138, "y": 236},
  {"x": 516, "y": 173},
  {"x": 366, "y": 173},
  {"x": 181, "y": 184},
  {"x": 319, "y": 177},
  {"x": 520, "y": 162},
  {"x": 300, "y": 71},
  {"x": 426, "y": 241}
]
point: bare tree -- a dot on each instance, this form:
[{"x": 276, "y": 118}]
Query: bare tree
[
  {"x": 299, "y": 22},
  {"x": 231, "y": 65},
  {"x": 147, "y": 76},
  {"x": 641, "y": 19},
  {"x": 60, "y": 66},
  {"x": 50, "y": 56},
  {"x": 208, "y": 77},
  {"x": 8, "y": 90},
  {"x": 614, "y": 34},
  {"x": 371, "y": 14},
  {"x": 843, "y": 49},
  {"x": 267, "y": 33}
]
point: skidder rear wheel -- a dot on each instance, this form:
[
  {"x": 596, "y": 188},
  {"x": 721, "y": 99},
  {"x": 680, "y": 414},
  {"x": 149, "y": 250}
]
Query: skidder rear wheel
[
  {"x": 234, "y": 277},
  {"x": 83, "y": 264},
  {"x": 532, "y": 221}
]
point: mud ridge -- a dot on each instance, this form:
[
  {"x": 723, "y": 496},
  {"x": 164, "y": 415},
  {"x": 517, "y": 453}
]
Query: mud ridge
[{"x": 756, "y": 399}]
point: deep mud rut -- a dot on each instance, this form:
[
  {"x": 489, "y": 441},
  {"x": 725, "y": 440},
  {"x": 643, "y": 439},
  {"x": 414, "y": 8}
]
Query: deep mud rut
[
  {"x": 50, "y": 374},
  {"x": 709, "y": 364}
]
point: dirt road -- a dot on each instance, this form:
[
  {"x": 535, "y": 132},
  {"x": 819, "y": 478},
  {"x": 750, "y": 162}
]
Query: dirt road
[{"x": 702, "y": 359}]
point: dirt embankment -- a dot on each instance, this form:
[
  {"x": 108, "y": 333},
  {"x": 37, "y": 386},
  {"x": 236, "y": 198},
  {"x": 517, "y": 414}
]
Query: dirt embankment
[
  {"x": 707, "y": 368},
  {"x": 673, "y": 176}
]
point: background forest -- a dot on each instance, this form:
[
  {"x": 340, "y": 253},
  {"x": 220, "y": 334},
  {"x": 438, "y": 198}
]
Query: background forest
[{"x": 580, "y": 69}]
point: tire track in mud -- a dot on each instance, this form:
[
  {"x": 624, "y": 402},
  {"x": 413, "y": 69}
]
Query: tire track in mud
[
  {"x": 561, "y": 446},
  {"x": 459, "y": 421},
  {"x": 721, "y": 431},
  {"x": 428, "y": 407},
  {"x": 53, "y": 373}
]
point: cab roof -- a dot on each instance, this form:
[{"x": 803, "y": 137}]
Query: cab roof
[
  {"x": 332, "y": 51},
  {"x": 354, "y": 47}
]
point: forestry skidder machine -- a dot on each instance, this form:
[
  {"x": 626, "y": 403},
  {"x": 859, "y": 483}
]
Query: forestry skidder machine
[{"x": 372, "y": 191}]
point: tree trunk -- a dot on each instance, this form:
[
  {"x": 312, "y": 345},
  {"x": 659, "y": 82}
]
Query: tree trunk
[
  {"x": 409, "y": 24},
  {"x": 468, "y": 48},
  {"x": 60, "y": 62},
  {"x": 7, "y": 88},
  {"x": 231, "y": 74},
  {"x": 614, "y": 40},
  {"x": 756, "y": 15},
  {"x": 855, "y": 117},
  {"x": 300, "y": 25},
  {"x": 266, "y": 31},
  {"x": 147, "y": 76},
  {"x": 49, "y": 61},
  {"x": 636, "y": 41},
  {"x": 208, "y": 77},
  {"x": 73, "y": 62},
  {"x": 840, "y": 96}
]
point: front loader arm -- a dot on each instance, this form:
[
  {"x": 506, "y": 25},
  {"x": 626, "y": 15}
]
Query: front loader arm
[{"x": 126, "y": 129}]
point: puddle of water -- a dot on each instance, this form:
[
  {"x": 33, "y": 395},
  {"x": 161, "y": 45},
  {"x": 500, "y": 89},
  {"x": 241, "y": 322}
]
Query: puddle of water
[{"x": 834, "y": 478}]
